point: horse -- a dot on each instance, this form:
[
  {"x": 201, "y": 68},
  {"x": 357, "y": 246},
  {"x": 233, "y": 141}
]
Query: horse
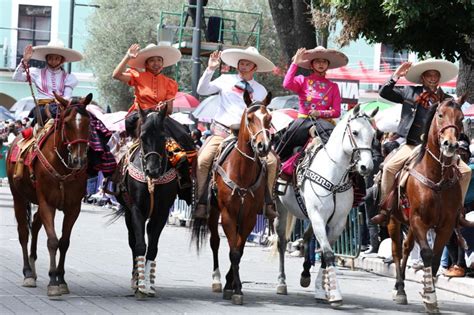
[
  {"x": 325, "y": 197},
  {"x": 434, "y": 195},
  {"x": 150, "y": 186},
  {"x": 54, "y": 179},
  {"x": 240, "y": 184}
]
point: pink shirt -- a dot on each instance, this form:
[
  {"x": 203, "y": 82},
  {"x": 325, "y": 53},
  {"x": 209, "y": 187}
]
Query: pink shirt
[{"x": 314, "y": 92}]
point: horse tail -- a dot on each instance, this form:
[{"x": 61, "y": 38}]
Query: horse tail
[
  {"x": 199, "y": 233},
  {"x": 116, "y": 214}
]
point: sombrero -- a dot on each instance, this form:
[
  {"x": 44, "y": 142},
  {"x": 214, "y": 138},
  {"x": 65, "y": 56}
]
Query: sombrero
[
  {"x": 233, "y": 55},
  {"x": 56, "y": 47},
  {"x": 336, "y": 58},
  {"x": 169, "y": 54},
  {"x": 448, "y": 70}
]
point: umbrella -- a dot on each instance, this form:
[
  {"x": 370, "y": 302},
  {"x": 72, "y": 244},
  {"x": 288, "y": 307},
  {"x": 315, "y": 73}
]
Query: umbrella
[
  {"x": 114, "y": 121},
  {"x": 5, "y": 114},
  {"x": 182, "y": 118},
  {"x": 185, "y": 101},
  {"x": 24, "y": 104},
  {"x": 207, "y": 109},
  {"x": 96, "y": 110},
  {"x": 288, "y": 101},
  {"x": 281, "y": 118}
]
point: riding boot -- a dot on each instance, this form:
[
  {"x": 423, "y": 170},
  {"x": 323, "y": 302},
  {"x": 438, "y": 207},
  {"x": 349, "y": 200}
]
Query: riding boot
[
  {"x": 381, "y": 218},
  {"x": 270, "y": 212},
  {"x": 185, "y": 191}
]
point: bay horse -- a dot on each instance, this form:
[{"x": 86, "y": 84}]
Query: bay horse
[
  {"x": 434, "y": 195},
  {"x": 150, "y": 188},
  {"x": 325, "y": 197},
  {"x": 240, "y": 182},
  {"x": 55, "y": 179}
]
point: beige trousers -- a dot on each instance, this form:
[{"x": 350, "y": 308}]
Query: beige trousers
[
  {"x": 206, "y": 157},
  {"x": 395, "y": 164}
]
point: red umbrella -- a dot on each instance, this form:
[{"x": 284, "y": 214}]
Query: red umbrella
[{"x": 185, "y": 101}]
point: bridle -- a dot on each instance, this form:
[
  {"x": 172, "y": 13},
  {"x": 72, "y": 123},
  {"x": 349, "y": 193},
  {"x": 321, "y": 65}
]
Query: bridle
[{"x": 355, "y": 155}]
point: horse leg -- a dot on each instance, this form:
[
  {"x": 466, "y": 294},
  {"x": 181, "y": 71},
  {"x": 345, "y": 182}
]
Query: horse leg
[
  {"x": 331, "y": 287},
  {"x": 22, "y": 218},
  {"x": 235, "y": 258},
  {"x": 35, "y": 228},
  {"x": 47, "y": 214},
  {"x": 138, "y": 224},
  {"x": 154, "y": 228},
  {"x": 398, "y": 295},
  {"x": 215, "y": 242},
  {"x": 70, "y": 218},
  {"x": 429, "y": 293},
  {"x": 280, "y": 226},
  {"x": 407, "y": 248},
  {"x": 305, "y": 279},
  {"x": 131, "y": 244}
]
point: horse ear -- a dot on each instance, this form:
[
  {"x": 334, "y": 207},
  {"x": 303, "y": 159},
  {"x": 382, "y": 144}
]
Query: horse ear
[
  {"x": 461, "y": 100},
  {"x": 141, "y": 112},
  {"x": 60, "y": 99},
  {"x": 356, "y": 110},
  {"x": 247, "y": 98},
  {"x": 376, "y": 110},
  {"x": 87, "y": 100},
  {"x": 163, "y": 111},
  {"x": 267, "y": 99}
]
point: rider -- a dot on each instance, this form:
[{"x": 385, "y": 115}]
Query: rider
[
  {"x": 153, "y": 90},
  {"x": 416, "y": 101},
  {"x": 318, "y": 96},
  {"x": 53, "y": 78},
  {"x": 231, "y": 88}
]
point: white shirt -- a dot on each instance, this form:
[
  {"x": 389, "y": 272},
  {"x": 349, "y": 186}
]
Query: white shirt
[
  {"x": 47, "y": 81},
  {"x": 232, "y": 104}
]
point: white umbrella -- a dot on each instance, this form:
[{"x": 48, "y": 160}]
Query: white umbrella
[
  {"x": 24, "y": 104},
  {"x": 389, "y": 119},
  {"x": 182, "y": 118}
]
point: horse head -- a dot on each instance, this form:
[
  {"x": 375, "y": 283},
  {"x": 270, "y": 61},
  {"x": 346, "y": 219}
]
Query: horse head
[
  {"x": 446, "y": 126},
  {"x": 74, "y": 122},
  {"x": 257, "y": 124},
  {"x": 357, "y": 141},
  {"x": 153, "y": 141}
]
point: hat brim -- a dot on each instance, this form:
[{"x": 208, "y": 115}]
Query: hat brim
[
  {"x": 70, "y": 55},
  {"x": 448, "y": 70},
  {"x": 336, "y": 58},
  {"x": 169, "y": 54},
  {"x": 233, "y": 55}
]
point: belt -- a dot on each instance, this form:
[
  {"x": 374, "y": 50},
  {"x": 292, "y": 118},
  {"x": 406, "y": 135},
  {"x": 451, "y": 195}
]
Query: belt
[{"x": 45, "y": 101}]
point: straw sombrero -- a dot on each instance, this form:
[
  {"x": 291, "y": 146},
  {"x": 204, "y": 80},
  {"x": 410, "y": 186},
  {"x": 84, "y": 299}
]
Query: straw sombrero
[
  {"x": 56, "y": 47},
  {"x": 233, "y": 55},
  {"x": 336, "y": 58},
  {"x": 448, "y": 70},
  {"x": 169, "y": 54}
]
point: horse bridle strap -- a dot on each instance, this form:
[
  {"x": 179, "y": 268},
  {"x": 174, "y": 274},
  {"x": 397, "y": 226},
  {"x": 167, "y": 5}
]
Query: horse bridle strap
[
  {"x": 242, "y": 192},
  {"x": 326, "y": 184},
  {"x": 139, "y": 175},
  {"x": 442, "y": 184}
]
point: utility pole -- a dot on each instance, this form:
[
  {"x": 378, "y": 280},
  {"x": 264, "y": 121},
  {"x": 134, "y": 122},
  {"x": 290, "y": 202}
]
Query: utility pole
[
  {"x": 71, "y": 29},
  {"x": 196, "y": 56}
]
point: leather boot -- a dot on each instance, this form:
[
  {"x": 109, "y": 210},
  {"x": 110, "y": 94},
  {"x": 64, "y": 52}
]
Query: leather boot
[
  {"x": 183, "y": 173},
  {"x": 201, "y": 211},
  {"x": 381, "y": 218},
  {"x": 270, "y": 211}
]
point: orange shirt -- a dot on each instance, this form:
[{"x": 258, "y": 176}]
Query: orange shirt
[{"x": 151, "y": 89}]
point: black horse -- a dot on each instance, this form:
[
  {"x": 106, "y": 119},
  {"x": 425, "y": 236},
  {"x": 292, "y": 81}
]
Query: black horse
[{"x": 149, "y": 188}]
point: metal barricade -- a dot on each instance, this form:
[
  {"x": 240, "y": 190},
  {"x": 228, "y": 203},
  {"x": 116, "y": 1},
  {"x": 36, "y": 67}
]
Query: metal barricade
[
  {"x": 258, "y": 233},
  {"x": 349, "y": 243}
]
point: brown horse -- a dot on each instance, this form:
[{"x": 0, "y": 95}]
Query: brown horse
[
  {"x": 434, "y": 194},
  {"x": 241, "y": 182},
  {"x": 55, "y": 179}
]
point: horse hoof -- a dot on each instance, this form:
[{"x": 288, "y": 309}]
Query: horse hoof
[
  {"x": 399, "y": 298},
  {"x": 227, "y": 295},
  {"x": 432, "y": 308},
  {"x": 305, "y": 282},
  {"x": 139, "y": 295},
  {"x": 29, "y": 282},
  {"x": 54, "y": 291},
  {"x": 237, "y": 299},
  {"x": 281, "y": 289},
  {"x": 217, "y": 287},
  {"x": 63, "y": 288}
]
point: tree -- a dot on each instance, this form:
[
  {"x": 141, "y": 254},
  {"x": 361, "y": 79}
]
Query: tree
[{"x": 436, "y": 28}]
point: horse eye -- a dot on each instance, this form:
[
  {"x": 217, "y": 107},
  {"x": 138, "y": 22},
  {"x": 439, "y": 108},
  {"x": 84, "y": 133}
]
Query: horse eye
[
  {"x": 355, "y": 133},
  {"x": 440, "y": 116}
]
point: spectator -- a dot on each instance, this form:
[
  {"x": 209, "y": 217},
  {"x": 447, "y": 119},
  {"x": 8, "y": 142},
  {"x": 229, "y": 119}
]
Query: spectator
[{"x": 196, "y": 135}]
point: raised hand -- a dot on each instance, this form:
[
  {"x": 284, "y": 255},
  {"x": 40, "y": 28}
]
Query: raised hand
[
  {"x": 132, "y": 52},
  {"x": 27, "y": 53},
  {"x": 402, "y": 69},
  {"x": 298, "y": 58},
  {"x": 214, "y": 60}
]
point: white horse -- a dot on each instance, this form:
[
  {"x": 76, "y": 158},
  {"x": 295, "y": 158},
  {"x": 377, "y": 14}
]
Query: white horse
[{"x": 326, "y": 191}]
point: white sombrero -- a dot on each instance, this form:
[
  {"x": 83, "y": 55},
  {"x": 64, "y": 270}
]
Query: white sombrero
[
  {"x": 169, "y": 54},
  {"x": 336, "y": 58},
  {"x": 233, "y": 55},
  {"x": 56, "y": 47},
  {"x": 448, "y": 70}
]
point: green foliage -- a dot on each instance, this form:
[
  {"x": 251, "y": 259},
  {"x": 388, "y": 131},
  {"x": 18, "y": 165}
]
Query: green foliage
[{"x": 439, "y": 28}]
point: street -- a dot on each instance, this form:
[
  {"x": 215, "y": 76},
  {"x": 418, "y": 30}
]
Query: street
[{"x": 98, "y": 271}]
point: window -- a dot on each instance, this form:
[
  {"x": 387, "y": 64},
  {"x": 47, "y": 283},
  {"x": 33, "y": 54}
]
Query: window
[
  {"x": 34, "y": 23},
  {"x": 391, "y": 59}
]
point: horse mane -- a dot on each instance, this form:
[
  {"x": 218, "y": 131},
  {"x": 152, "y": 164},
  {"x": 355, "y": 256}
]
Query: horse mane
[{"x": 432, "y": 111}]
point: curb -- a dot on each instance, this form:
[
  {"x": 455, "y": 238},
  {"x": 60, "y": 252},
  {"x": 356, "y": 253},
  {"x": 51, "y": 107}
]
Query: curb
[{"x": 463, "y": 286}]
